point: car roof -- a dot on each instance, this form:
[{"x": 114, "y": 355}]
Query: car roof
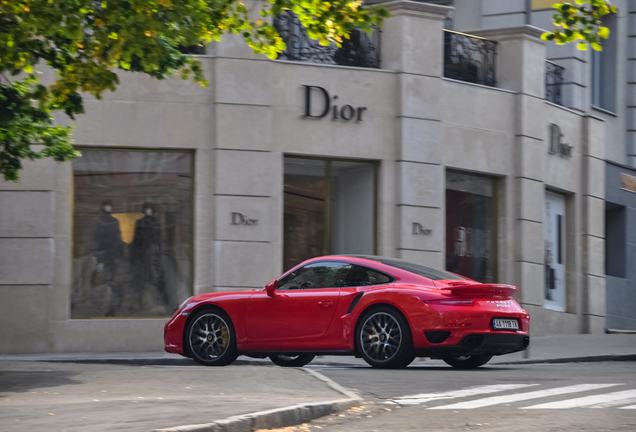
[{"x": 418, "y": 269}]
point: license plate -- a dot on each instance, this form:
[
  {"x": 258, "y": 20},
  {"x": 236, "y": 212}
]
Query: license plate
[{"x": 505, "y": 324}]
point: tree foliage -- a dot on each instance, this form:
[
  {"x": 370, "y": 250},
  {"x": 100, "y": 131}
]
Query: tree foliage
[
  {"x": 581, "y": 22},
  {"x": 87, "y": 41}
]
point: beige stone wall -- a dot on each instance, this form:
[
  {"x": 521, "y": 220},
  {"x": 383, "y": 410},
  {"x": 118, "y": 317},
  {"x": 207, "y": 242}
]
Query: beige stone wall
[{"x": 416, "y": 126}]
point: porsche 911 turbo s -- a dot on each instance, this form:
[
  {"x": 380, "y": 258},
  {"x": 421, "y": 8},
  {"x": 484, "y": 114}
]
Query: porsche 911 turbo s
[{"x": 384, "y": 310}]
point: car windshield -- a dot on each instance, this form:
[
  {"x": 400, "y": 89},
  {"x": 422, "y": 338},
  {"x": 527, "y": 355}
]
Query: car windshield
[{"x": 420, "y": 270}]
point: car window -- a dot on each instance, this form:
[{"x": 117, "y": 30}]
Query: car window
[
  {"x": 324, "y": 274},
  {"x": 361, "y": 276},
  {"x": 418, "y": 269}
]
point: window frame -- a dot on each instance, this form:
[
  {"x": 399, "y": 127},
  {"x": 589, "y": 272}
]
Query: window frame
[
  {"x": 192, "y": 198},
  {"x": 328, "y": 249}
]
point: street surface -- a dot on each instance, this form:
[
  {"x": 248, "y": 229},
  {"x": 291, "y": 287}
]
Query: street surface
[
  {"x": 49, "y": 396},
  {"x": 54, "y": 397},
  {"x": 539, "y": 397}
]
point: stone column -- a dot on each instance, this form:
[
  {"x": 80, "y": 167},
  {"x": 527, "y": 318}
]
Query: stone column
[
  {"x": 27, "y": 257},
  {"x": 412, "y": 44},
  {"x": 520, "y": 68},
  {"x": 247, "y": 170},
  {"x": 593, "y": 225}
]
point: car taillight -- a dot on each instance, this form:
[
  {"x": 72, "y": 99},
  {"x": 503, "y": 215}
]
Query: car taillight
[{"x": 451, "y": 302}]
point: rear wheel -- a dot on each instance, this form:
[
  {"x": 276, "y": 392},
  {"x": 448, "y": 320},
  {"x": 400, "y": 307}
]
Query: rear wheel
[
  {"x": 211, "y": 338},
  {"x": 384, "y": 339},
  {"x": 468, "y": 362},
  {"x": 291, "y": 361}
]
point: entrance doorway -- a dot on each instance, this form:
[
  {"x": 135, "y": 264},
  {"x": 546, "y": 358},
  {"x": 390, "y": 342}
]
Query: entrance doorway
[{"x": 329, "y": 208}]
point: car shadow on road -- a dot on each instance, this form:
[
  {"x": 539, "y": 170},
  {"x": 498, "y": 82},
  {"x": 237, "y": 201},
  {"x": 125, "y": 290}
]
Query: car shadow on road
[{"x": 23, "y": 381}]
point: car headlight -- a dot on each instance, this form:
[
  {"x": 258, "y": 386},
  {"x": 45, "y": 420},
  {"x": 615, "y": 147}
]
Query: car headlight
[{"x": 184, "y": 303}]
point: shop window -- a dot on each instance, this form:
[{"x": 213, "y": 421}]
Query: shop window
[
  {"x": 554, "y": 251},
  {"x": 615, "y": 240},
  {"x": 329, "y": 208},
  {"x": 471, "y": 226},
  {"x": 132, "y": 233}
]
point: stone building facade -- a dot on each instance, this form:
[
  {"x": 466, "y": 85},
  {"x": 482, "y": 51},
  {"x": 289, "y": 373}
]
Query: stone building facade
[
  {"x": 603, "y": 85},
  {"x": 224, "y": 187}
]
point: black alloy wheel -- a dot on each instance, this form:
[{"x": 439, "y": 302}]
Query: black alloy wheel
[
  {"x": 211, "y": 339},
  {"x": 292, "y": 361},
  {"x": 468, "y": 362},
  {"x": 384, "y": 339}
]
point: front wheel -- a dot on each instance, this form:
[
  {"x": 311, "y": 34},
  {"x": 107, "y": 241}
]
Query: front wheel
[
  {"x": 291, "y": 361},
  {"x": 468, "y": 362},
  {"x": 211, "y": 338},
  {"x": 384, "y": 339}
]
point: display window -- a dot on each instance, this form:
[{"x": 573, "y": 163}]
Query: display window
[
  {"x": 329, "y": 208},
  {"x": 471, "y": 226},
  {"x": 555, "y": 251},
  {"x": 132, "y": 233}
]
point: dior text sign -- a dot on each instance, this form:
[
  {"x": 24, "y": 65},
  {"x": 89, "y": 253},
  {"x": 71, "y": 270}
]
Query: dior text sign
[
  {"x": 241, "y": 219},
  {"x": 323, "y": 103},
  {"x": 418, "y": 229}
]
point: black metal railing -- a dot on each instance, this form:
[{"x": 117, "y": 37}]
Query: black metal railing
[
  {"x": 360, "y": 49},
  {"x": 469, "y": 58},
  {"x": 554, "y": 82}
]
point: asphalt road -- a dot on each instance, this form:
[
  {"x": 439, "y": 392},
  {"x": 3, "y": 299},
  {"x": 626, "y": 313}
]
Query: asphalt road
[
  {"x": 77, "y": 397},
  {"x": 539, "y": 397}
]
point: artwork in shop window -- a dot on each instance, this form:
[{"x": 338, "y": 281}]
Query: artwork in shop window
[
  {"x": 554, "y": 252},
  {"x": 471, "y": 226},
  {"x": 132, "y": 233}
]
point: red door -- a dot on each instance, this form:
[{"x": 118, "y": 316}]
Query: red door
[{"x": 292, "y": 316}]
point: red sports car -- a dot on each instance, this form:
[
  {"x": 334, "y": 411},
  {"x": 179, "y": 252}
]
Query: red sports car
[{"x": 385, "y": 310}]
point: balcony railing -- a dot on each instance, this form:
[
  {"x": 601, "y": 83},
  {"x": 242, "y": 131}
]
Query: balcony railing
[
  {"x": 469, "y": 58},
  {"x": 359, "y": 50},
  {"x": 554, "y": 82}
]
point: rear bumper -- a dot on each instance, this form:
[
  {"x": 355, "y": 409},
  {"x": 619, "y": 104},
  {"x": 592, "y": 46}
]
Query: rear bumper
[{"x": 478, "y": 343}]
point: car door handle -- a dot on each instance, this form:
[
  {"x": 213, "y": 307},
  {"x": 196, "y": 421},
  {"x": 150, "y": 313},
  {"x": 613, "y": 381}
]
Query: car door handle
[{"x": 325, "y": 303}]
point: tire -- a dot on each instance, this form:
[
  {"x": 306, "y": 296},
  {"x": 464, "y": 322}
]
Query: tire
[
  {"x": 292, "y": 361},
  {"x": 211, "y": 348},
  {"x": 383, "y": 339},
  {"x": 468, "y": 362}
]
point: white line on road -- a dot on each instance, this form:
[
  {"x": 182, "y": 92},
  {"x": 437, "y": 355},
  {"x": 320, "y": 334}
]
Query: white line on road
[
  {"x": 605, "y": 400},
  {"x": 471, "y": 391},
  {"x": 496, "y": 400},
  {"x": 629, "y": 407}
]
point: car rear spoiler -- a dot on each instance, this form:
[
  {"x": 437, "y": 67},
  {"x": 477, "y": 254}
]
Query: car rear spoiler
[{"x": 471, "y": 289}]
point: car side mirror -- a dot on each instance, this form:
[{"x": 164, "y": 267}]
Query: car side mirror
[{"x": 271, "y": 287}]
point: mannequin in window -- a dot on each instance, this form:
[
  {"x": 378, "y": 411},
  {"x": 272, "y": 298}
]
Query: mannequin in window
[
  {"x": 146, "y": 259},
  {"x": 106, "y": 251}
]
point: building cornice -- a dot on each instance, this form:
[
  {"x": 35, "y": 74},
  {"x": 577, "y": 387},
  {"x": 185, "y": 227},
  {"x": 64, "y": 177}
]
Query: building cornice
[
  {"x": 414, "y": 8},
  {"x": 525, "y": 32}
]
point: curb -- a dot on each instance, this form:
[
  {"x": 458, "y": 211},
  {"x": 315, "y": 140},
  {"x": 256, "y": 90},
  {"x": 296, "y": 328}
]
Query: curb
[
  {"x": 270, "y": 419},
  {"x": 279, "y": 417},
  {"x": 587, "y": 359}
]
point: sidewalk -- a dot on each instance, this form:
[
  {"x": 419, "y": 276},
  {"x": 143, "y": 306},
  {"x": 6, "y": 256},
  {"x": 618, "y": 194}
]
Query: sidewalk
[
  {"x": 545, "y": 348},
  {"x": 67, "y": 396}
]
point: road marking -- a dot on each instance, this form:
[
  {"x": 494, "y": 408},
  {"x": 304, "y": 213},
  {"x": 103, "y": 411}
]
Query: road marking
[
  {"x": 629, "y": 407},
  {"x": 605, "y": 400},
  {"x": 471, "y": 391},
  {"x": 496, "y": 400}
]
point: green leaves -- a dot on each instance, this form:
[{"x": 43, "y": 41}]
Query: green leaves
[
  {"x": 580, "y": 21},
  {"x": 86, "y": 42},
  {"x": 22, "y": 124}
]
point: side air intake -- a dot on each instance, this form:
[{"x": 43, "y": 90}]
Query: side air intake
[{"x": 436, "y": 336}]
